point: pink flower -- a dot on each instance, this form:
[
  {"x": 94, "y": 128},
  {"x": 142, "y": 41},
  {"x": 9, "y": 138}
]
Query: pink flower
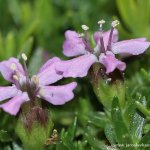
[
  {"x": 25, "y": 89},
  {"x": 107, "y": 46}
]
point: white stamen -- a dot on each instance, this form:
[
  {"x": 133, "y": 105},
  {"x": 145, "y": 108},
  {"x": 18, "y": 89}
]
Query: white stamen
[
  {"x": 24, "y": 57},
  {"x": 35, "y": 79},
  {"x": 85, "y": 27},
  {"x": 101, "y": 22},
  {"x": 13, "y": 66},
  {"x": 15, "y": 77},
  {"x": 115, "y": 23}
]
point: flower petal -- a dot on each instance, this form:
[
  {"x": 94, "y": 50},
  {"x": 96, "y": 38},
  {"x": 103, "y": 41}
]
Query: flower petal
[
  {"x": 106, "y": 37},
  {"x": 111, "y": 63},
  {"x": 77, "y": 67},
  {"x": 48, "y": 74},
  {"x": 58, "y": 95},
  {"x": 14, "y": 104},
  {"x": 73, "y": 45},
  {"x": 7, "y": 71},
  {"x": 7, "y": 92},
  {"x": 141, "y": 39},
  {"x": 130, "y": 47},
  {"x": 49, "y": 63}
]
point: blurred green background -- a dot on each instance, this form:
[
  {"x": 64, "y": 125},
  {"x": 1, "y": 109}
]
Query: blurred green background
[{"x": 37, "y": 28}]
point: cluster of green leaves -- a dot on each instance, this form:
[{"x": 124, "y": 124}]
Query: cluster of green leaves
[{"x": 120, "y": 128}]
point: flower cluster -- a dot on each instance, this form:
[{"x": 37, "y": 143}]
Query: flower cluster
[
  {"x": 104, "y": 52},
  {"x": 26, "y": 89},
  {"x": 77, "y": 45}
]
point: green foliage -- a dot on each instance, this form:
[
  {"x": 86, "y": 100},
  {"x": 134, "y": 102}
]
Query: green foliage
[
  {"x": 137, "y": 21},
  {"x": 37, "y": 28}
]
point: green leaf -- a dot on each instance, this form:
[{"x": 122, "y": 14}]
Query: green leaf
[
  {"x": 109, "y": 133},
  {"x": 80, "y": 146},
  {"x": 68, "y": 136},
  {"x": 142, "y": 109},
  {"x": 26, "y": 47},
  {"x": 15, "y": 10},
  {"x": 27, "y": 32},
  {"x": 4, "y": 136},
  {"x": 83, "y": 109},
  {"x": 71, "y": 131},
  {"x": 99, "y": 119},
  {"x": 95, "y": 144},
  {"x": 137, "y": 123},
  {"x": 129, "y": 109},
  {"x": 121, "y": 131},
  {"x": 10, "y": 45}
]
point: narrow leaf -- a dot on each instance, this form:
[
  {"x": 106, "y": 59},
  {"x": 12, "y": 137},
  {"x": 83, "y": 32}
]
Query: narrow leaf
[{"x": 122, "y": 134}]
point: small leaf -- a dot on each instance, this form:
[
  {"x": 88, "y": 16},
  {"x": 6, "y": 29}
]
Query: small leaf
[
  {"x": 10, "y": 45},
  {"x": 98, "y": 119},
  {"x": 68, "y": 136},
  {"x": 71, "y": 131},
  {"x": 142, "y": 109},
  {"x": 122, "y": 134},
  {"x": 95, "y": 144},
  {"x": 137, "y": 123},
  {"x": 26, "y": 46},
  {"x": 14, "y": 9},
  {"x": 129, "y": 110},
  {"x": 109, "y": 133}
]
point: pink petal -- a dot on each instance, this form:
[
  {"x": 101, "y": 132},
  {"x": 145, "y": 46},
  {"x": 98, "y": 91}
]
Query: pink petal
[
  {"x": 111, "y": 63},
  {"x": 141, "y": 39},
  {"x": 106, "y": 37},
  {"x": 58, "y": 95},
  {"x": 77, "y": 67},
  {"x": 49, "y": 63},
  {"x": 7, "y": 71},
  {"x": 73, "y": 45},
  {"x": 48, "y": 74},
  {"x": 7, "y": 92},
  {"x": 130, "y": 47},
  {"x": 13, "y": 106}
]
